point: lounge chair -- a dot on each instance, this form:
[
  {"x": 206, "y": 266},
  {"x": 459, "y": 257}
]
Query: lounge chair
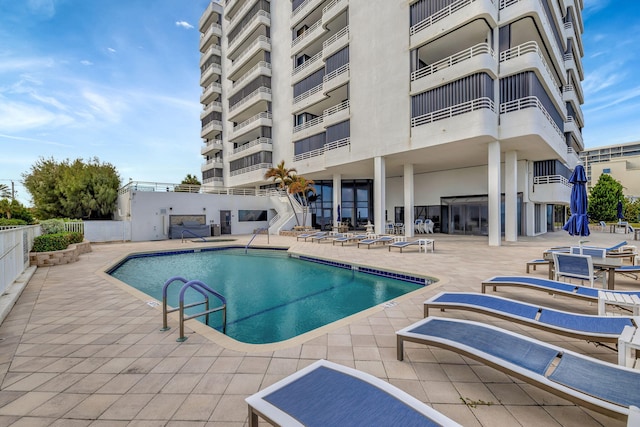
[
  {"x": 588, "y": 327},
  {"x": 632, "y": 271},
  {"x": 328, "y": 394},
  {"x": 306, "y": 236},
  {"x": 604, "y": 387},
  {"x": 370, "y": 241},
  {"x": 348, "y": 238},
  {"x": 536, "y": 262},
  {"x": 327, "y": 237},
  {"x": 401, "y": 243}
]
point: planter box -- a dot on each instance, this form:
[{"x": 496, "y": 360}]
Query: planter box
[{"x": 66, "y": 256}]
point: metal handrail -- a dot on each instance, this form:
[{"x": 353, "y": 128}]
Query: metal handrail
[
  {"x": 192, "y": 233},
  {"x": 199, "y": 287},
  {"x": 254, "y": 236}
]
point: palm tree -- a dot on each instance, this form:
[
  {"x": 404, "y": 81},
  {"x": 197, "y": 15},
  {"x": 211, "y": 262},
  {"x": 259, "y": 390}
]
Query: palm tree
[
  {"x": 283, "y": 177},
  {"x": 5, "y": 192},
  {"x": 302, "y": 186}
]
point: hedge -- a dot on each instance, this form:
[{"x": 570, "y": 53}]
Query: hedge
[{"x": 56, "y": 241}]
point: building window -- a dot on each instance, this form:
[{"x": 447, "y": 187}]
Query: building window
[{"x": 606, "y": 170}]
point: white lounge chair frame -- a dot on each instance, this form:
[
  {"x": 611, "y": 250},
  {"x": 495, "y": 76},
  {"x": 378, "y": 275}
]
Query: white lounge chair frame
[{"x": 259, "y": 407}]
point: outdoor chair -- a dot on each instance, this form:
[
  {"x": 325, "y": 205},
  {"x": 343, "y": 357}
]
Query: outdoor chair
[
  {"x": 601, "y": 386},
  {"x": 428, "y": 225},
  {"x": 418, "y": 226},
  {"x": 329, "y": 394},
  {"x": 401, "y": 243},
  {"x": 575, "y": 266}
]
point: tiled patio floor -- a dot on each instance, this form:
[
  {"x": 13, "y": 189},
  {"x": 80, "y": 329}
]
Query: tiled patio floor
[{"x": 78, "y": 349}]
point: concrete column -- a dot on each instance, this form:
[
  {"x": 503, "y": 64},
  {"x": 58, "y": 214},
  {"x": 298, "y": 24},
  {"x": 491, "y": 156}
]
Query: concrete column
[
  {"x": 337, "y": 195},
  {"x": 511, "y": 196},
  {"x": 379, "y": 196},
  {"x": 408, "y": 200},
  {"x": 493, "y": 172}
]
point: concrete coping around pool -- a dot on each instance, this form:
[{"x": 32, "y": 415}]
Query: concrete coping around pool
[{"x": 232, "y": 344}]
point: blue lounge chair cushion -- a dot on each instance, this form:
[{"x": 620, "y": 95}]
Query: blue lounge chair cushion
[
  {"x": 578, "y": 322},
  {"x": 535, "y": 358},
  {"x": 325, "y": 397},
  {"x": 629, "y": 268},
  {"x": 500, "y": 304}
]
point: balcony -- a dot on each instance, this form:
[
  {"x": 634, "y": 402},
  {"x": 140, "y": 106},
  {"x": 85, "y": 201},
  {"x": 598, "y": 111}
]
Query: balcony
[
  {"x": 335, "y": 79},
  {"x": 451, "y": 17},
  {"x": 253, "y": 147},
  {"x": 208, "y": 92},
  {"x": 250, "y": 175},
  {"x": 207, "y": 37},
  {"x": 210, "y": 129},
  {"x": 308, "y": 98},
  {"x": 528, "y": 56},
  {"x": 209, "y": 74},
  {"x": 335, "y": 42},
  {"x": 252, "y": 123},
  {"x": 215, "y": 182},
  {"x": 573, "y": 65},
  {"x": 303, "y": 40},
  {"x": 334, "y": 9},
  {"x": 231, "y": 8},
  {"x": 303, "y": 10},
  {"x": 444, "y": 126},
  {"x": 569, "y": 94},
  {"x": 210, "y": 15},
  {"x": 247, "y": 106},
  {"x": 213, "y": 106},
  {"x": 571, "y": 126},
  {"x": 307, "y": 68},
  {"x": 342, "y": 145},
  {"x": 238, "y": 64},
  {"x": 528, "y": 117},
  {"x": 212, "y": 147},
  {"x": 336, "y": 114},
  {"x": 478, "y": 58},
  {"x": 242, "y": 11},
  {"x": 213, "y": 50},
  {"x": 261, "y": 18},
  {"x": 262, "y": 68},
  {"x": 550, "y": 189},
  {"x": 212, "y": 164}
]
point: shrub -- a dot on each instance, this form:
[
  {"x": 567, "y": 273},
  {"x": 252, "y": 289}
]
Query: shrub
[
  {"x": 75, "y": 237},
  {"x": 50, "y": 242},
  {"x": 4, "y": 221},
  {"x": 52, "y": 226}
]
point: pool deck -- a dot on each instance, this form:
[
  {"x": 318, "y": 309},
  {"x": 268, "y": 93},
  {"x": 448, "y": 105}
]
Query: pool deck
[{"x": 80, "y": 349}]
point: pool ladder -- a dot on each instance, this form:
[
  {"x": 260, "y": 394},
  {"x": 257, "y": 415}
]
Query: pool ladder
[{"x": 199, "y": 287}]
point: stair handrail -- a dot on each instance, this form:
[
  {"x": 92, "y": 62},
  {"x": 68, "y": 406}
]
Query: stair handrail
[
  {"x": 254, "y": 236},
  {"x": 192, "y": 233}
]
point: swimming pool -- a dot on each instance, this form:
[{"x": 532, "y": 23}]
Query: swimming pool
[{"x": 270, "y": 295}]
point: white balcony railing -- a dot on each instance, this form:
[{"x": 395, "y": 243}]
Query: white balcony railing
[
  {"x": 252, "y": 144},
  {"x": 250, "y": 120},
  {"x": 455, "y": 110},
  {"x": 306, "y": 33},
  {"x": 209, "y": 126},
  {"x": 308, "y": 124},
  {"x": 261, "y": 64},
  {"x": 530, "y": 47},
  {"x": 330, "y": 6},
  {"x": 336, "y": 108},
  {"x": 344, "y": 142},
  {"x": 252, "y": 168},
  {"x": 242, "y": 34},
  {"x": 479, "y": 49},
  {"x": 209, "y": 108},
  {"x": 315, "y": 58},
  {"x": 530, "y": 102},
  {"x": 307, "y": 94},
  {"x": 552, "y": 179},
  {"x": 335, "y": 73},
  {"x": 328, "y": 42},
  {"x": 248, "y": 98},
  {"x": 441, "y": 14},
  {"x": 245, "y": 53}
]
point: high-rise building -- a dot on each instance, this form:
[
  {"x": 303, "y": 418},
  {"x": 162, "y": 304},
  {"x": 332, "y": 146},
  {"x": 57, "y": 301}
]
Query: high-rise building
[
  {"x": 621, "y": 161},
  {"x": 466, "y": 112}
]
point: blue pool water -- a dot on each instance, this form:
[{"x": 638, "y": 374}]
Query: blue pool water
[{"x": 270, "y": 296}]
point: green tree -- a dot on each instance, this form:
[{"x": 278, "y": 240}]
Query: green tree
[
  {"x": 283, "y": 177},
  {"x": 632, "y": 210},
  {"x": 302, "y": 187},
  {"x": 189, "y": 184},
  {"x": 603, "y": 199},
  {"x": 13, "y": 209},
  {"x": 75, "y": 189}
]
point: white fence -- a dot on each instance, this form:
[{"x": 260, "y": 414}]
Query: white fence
[
  {"x": 15, "y": 245},
  {"x": 107, "y": 231}
]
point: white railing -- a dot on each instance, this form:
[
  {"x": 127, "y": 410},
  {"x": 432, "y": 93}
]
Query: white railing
[
  {"x": 530, "y": 47},
  {"x": 310, "y": 123},
  {"x": 74, "y": 226},
  {"x": 217, "y": 143},
  {"x": 210, "y": 87},
  {"x": 261, "y": 89},
  {"x": 307, "y": 32},
  {"x": 214, "y": 162},
  {"x": 251, "y": 169},
  {"x": 210, "y": 70},
  {"x": 15, "y": 245},
  {"x": 330, "y": 6},
  {"x": 307, "y": 94},
  {"x": 263, "y": 115},
  {"x": 441, "y": 14},
  {"x": 315, "y": 58},
  {"x": 241, "y": 34},
  {"x": 551, "y": 179},
  {"x": 168, "y": 187},
  {"x": 210, "y": 125},
  {"x": 335, "y": 73},
  {"x": 239, "y": 14},
  {"x": 344, "y": 142},
  {"x": 246, "y": 75},
  {"x": 300, "y": 7},
  {"x": 328, "y": 42},
  {"x": 247, "y": 51},
  {"x": 214, "y": 26},
  {"x": 253, "y": 143},
  {"x": 209, "y": 108},
  {"x": 479, "y": 49},
  {"x": 215, "y": 49},
  {"x": 336, "y": 108},
  {"x": 455, "y": 110},
  {"x": 530, "y": 102}
]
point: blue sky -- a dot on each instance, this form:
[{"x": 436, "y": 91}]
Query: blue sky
[{"x": 119, "y": 80}]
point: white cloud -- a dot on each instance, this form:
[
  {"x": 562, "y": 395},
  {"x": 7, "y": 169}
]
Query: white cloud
[
  {"x": 25, "y": 139},
  {"x": 112, "y": 50},
  {"x": 104, "y": 108},
  {"x": 44, "y": 8},
  {"x": 86, "y": 62},
  {"x": 8, "y": 65},
  {"x": 18, "y": 116},
  {"x": 184, "y": 24}
]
